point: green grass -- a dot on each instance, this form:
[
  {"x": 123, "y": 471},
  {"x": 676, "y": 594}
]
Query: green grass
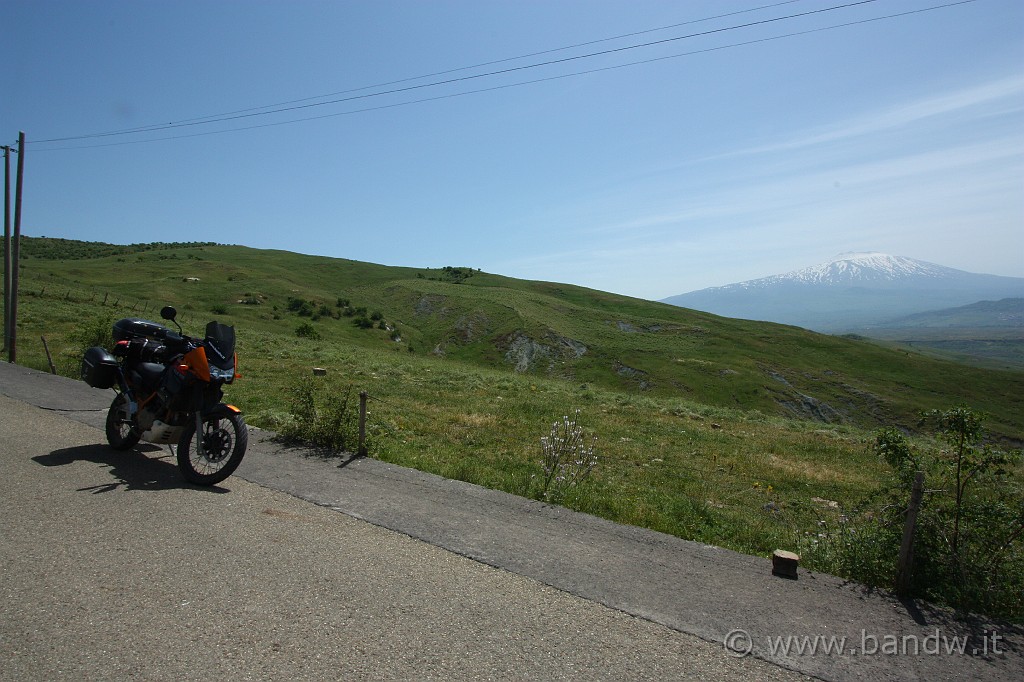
[
  {"x": 584, "y": 336},
  {"x": 705, "y": 425}
]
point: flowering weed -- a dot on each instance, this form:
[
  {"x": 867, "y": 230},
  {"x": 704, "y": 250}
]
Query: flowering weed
[{"x": 568, "y": 457}]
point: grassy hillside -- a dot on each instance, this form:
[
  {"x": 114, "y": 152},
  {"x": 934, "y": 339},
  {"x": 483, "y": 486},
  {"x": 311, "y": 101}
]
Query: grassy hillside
[
  {"x": 533, "y": 328},
  {"x": 740, "y": 434}
]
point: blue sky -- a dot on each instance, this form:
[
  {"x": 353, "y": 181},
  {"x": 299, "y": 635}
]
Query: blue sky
[{"x": 723, "y": 157}]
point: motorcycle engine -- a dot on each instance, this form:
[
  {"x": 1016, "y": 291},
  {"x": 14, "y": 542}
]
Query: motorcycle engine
[{"x": 146, "y": 416}]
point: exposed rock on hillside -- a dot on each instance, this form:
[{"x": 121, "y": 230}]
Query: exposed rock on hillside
[{"x": 526, "y": 353}]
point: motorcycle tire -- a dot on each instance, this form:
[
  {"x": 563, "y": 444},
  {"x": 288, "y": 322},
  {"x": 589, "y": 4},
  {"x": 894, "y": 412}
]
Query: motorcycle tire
[
  {"x": 224, "y": 438},
  {"x": 122, "y": 431}
]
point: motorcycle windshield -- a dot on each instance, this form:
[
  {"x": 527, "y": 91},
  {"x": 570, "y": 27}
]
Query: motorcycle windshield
[{"x": 220, "y": 344}]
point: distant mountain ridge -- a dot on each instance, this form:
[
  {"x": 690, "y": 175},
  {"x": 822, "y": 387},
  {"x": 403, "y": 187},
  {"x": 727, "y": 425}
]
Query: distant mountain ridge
[
  {"x": 851, "y": 292},
  {"x": 1005, "y": 314}
]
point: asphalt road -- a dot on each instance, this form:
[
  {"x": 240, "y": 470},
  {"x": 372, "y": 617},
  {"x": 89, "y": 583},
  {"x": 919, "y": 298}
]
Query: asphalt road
[{"x": 298, "y": 567}]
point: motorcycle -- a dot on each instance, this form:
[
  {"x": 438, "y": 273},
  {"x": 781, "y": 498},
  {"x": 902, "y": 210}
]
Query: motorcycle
[{"x": 169, "y": 389}]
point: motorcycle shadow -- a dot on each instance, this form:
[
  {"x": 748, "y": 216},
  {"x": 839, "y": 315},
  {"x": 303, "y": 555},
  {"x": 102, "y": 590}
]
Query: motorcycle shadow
[{"x": 132, "y": 469}]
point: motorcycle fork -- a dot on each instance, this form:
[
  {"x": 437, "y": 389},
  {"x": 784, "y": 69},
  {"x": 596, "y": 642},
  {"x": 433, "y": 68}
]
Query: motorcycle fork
[{"x": 198, "y": 402}]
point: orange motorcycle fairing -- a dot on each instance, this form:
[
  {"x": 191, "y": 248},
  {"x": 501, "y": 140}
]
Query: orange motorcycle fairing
[{"x": 196, "y": 361}]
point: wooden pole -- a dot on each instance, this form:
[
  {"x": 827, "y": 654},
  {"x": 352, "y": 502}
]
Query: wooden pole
[
  {"x": 7, "y": 246},
  {"x": 12, "y": 341},
  {"x": 904, "y": 568},
  {"x": 362, "y": 423}
]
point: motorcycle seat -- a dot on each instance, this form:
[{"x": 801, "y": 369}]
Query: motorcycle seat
[{"x": 150, "y": 373}]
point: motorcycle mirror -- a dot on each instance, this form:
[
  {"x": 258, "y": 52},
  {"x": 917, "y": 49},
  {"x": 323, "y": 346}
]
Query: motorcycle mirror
[{"x": 168, "y": 312}]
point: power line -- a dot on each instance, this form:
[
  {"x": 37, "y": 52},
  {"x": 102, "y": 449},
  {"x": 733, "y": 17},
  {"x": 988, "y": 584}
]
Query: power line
[
  {"x": 296, "y": 107},
  {"x": 520, "y": 83},
  {"x": 206, "y": 118}
]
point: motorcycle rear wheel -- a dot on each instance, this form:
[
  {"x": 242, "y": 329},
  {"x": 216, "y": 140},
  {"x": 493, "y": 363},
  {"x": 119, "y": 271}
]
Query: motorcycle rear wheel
[
  {"x": 224, "y": 438},
  {"x": 122, "y": 430}
]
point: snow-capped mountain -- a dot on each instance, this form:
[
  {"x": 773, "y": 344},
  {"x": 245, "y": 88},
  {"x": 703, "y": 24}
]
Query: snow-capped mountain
[
  {"x": 858, "y": 269},
  {"x": 851, "y": 291}
]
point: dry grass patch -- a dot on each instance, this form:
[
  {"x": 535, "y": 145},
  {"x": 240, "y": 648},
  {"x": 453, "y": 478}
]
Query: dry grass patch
[{"x": 818, "y": 472}]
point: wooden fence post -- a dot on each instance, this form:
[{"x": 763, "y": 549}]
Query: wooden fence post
[
  {"x": 904, "y": 568},
  {"x": 49, "y": 358},
  {"x": 362, "y": 423}
]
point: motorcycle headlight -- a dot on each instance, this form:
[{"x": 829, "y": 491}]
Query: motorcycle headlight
[{"x": 219, "y": 374}]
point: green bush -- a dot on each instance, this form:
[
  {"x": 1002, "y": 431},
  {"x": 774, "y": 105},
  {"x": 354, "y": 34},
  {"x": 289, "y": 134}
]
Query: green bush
[
  {"x": 307, "y": 331},
  {"x": 322, "y": 415},
  {"x": 301, "y": 307},
  {"x": 969, "y": 538},
  {"x": 96, "y": 331}
]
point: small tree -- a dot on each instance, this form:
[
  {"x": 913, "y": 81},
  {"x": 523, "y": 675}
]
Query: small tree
[
  {"x": 977, "y": 474},
  {"x": 969, "y": 538}
]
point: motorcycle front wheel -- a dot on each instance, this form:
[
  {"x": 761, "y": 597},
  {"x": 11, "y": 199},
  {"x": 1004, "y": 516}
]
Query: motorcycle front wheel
[
  {"x": 122, "y": 432},
  {"x": 224, "y": 438}
]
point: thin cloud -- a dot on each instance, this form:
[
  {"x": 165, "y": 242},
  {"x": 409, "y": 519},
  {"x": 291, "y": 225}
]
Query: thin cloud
[
  {"x": 893, "y": 118},
  {"x": 819, "y": 208}
]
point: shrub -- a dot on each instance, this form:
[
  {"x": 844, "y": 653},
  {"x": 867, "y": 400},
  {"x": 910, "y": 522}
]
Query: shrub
[
  {"x": 456, "y": 275},
  {"x": 322, "y": 415},
  {"x": 307, "y": 331},
  {"x": 969, "y": 537},
  {"x": 300, "y": 306},
  {"x": 97, "y": 331},
  {"x": 567, "y": 457}
]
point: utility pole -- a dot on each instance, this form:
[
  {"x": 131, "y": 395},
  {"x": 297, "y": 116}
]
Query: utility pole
[
  {"x": 12, "y": 353},
  {"x": 7, "y": 246}
]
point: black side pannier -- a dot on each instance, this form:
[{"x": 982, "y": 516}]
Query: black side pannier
[
  {"x": 134, "y": 328},
  {"x": 99, "y": 368}
]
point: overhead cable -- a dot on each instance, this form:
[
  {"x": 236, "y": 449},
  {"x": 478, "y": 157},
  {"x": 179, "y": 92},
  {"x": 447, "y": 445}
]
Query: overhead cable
[
  {"x": 509, "y": 85},
  {"x": 296, "y": 107}
]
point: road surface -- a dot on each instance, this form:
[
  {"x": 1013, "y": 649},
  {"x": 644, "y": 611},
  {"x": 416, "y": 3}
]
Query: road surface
[{"x": 332, "y": 569}]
